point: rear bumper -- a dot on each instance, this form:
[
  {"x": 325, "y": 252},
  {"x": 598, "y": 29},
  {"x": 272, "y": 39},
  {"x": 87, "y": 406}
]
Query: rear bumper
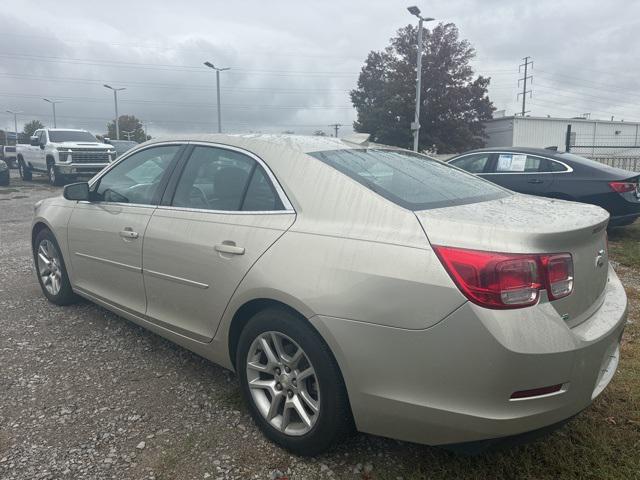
[
  {"x": 623, "y": 219},
  {"x": 452, "y": 383}
]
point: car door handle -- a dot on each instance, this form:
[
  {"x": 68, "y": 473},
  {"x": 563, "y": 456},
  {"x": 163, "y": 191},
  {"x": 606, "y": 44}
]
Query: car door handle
[
  {"x": 229, "y": 247},
  {"x": 128, "y": 233},
  {"x": 534, "y": 180}
]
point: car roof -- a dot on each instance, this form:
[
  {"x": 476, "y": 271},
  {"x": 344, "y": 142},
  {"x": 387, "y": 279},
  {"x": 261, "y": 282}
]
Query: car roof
[
  {"x": 64, "y": 129},
  {"x": 533, "y": 151},
  {"x": 299, "y": 143}
]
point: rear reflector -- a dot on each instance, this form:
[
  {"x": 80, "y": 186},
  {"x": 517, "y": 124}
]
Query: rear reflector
[
  {"x": 623, "y": 187},
  {"x": 536, "y": 392},
  {"x": 507, "y": 280}
]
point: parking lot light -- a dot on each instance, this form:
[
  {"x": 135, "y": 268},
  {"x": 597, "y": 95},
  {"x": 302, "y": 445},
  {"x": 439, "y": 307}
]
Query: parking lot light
[
  {"x": 115, "y": 99},
  {"x": 53, "y": 104}
]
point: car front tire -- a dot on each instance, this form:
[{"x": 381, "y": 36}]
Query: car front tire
[
  {"x": 292, "y": 383},
  {"x": 55, "y": 179},
  {"x": 51, "y": 270}
]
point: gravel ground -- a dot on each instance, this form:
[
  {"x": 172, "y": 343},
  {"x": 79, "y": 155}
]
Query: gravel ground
[{"x": 87, "y": 394}]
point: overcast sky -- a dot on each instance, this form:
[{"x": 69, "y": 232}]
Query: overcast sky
[{"x": 293, "y": 62}]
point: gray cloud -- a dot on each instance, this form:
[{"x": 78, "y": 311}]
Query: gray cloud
[{"x": 294, "y": 62}]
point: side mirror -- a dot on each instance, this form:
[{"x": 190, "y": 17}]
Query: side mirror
[
  {"x": 34, "y": 141},
  {"x": 76, "y": 191}
]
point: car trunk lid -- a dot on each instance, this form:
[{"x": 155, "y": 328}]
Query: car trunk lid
[{"x": 526, "y": 224}]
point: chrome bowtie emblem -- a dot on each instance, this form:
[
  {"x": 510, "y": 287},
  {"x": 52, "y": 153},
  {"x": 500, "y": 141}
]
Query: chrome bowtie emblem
[{"x": 600, "y": 258}]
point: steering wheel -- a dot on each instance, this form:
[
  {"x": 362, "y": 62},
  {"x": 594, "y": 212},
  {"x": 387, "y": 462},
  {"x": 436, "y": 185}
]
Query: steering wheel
[{"x": 197, "y": 196}]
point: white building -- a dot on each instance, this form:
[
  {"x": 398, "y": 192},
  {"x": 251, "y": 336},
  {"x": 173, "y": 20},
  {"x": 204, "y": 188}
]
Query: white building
[{"x": 593, "y": 138}]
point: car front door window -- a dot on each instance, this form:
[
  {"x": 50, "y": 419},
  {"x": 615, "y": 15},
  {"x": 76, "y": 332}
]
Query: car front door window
[
  {"x": 136, "y": 179},
  {"x": 473, "y": 163}
]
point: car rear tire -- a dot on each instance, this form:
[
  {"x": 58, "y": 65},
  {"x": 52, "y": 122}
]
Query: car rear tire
[
  {"x": 51, "y": 270},
  {"x": 292, "y": 383},
  {"x": 24, "y": 171}
]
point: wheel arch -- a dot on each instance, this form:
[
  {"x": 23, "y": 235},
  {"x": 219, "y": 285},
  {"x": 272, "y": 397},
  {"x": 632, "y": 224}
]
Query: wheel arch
[
  {"x": 38, "y": 226},
  {"x": 50, "y": 160},
  {"x": 244, "y": 313}
]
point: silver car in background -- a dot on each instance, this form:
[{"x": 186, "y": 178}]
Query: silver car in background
[{"x": 347, "y": 284}]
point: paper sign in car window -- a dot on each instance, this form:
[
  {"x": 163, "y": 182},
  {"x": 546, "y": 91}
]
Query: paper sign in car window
[
  {"x": 511, "y": 163},
  {"x": 518, "y": 163},
  {"x": 504, "y": 163}
]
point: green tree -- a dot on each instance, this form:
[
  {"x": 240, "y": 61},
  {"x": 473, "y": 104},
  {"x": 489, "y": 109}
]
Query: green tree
[
  {"x": 454, "y": 104},
  {"x": 127, "y": 123},
  {"x": 31, "y": 127}
]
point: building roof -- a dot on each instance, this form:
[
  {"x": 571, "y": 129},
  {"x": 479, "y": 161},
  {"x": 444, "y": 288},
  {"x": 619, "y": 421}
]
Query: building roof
[{"x": 562, "y": 119}]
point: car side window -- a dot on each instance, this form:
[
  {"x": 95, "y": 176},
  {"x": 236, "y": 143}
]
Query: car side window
[
  {"x": 136, "y": 179},
  {"x": 552, "y": 166},
  {"x": 43, "y": 137},
  {"x": 261, "y": 195},
  {"x": 224, "y": 180},
  {"x": 472, "y": 163}
]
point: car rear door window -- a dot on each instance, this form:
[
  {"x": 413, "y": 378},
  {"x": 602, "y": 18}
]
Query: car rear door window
[
  {"x": 410, "y": 180},
  {"x": 552, "y": 166},
  {"x": 224, "y": 180},
  {"x": 475, "y": 163}
]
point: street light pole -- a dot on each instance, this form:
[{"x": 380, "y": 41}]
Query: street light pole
[
  {"x": 415, "y": 126},
  {"x": 53, "y": 104},
  {"x": 218, "y": 70},
  {"x": 15, "y": 122},
  {"x": 115, "y": 100}
]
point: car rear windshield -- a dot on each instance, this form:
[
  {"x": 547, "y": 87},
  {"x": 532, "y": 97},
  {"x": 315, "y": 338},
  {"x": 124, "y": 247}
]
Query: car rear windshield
[
  {"x": 411, "y": 180},
  {"x": 59, "y": 136}
]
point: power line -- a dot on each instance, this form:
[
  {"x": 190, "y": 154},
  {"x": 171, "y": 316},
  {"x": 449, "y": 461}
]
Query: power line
[
  {"x": 90, "y": 81},
  {"x": 182, "y": 104},
  {"x": 163, "y": 66}
]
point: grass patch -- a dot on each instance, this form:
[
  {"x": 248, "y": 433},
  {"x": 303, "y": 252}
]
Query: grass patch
[{"x": 624, "y": 245}]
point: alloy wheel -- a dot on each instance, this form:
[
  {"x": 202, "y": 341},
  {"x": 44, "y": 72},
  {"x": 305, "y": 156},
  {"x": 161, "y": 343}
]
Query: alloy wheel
[
  {"x": 283, "y": 383},
  {"x": 52, "y": 175},
  {"x": 49, "y": 267}
]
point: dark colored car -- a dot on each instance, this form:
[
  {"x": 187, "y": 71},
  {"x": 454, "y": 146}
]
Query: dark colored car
[
  {"x": 548, "y": 173},
  {"x": 4, "y": 174}
]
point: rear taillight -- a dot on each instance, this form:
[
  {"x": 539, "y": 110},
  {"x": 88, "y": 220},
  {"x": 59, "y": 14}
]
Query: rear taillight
[
  {"x": 623, "y": 187},
  {"x": 559, "y": 275},
  {"x": 506, "y": 280}
]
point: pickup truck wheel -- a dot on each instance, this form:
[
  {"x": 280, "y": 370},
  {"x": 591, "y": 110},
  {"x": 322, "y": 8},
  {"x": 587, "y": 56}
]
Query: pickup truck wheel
[
  {"x": 51, "y": 269},
  {"x": 54, "y": 177},
  {"x": 25, "y": 172}
]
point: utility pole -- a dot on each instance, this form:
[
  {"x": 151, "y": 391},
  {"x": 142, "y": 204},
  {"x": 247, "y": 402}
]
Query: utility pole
[
  {"x": 15, "y": 122},
  {"x": 53, "y": 104},
  {"x": 115, "y": 99},
  {"x": 524, "y": 81},
  {"x": 128, "y": 133},
  {"x": 415, "y": 125},
  {"x": 335, "y": 127},
  {"x": 218, "y": 70}
]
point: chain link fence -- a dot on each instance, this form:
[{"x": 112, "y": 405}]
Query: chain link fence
[{"x": 616, "y": 150}]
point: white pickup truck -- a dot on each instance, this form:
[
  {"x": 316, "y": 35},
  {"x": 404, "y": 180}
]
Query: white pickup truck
[{"x": 63, "y": 154}]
